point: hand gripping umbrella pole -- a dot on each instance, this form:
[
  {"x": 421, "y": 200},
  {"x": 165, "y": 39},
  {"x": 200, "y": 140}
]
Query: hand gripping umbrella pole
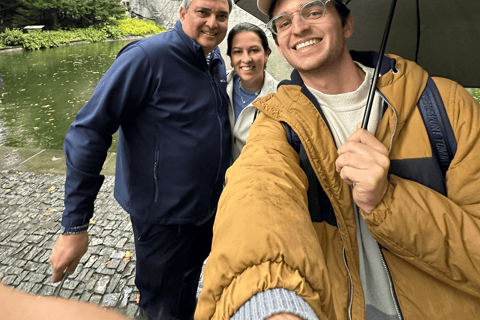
[{"x": 373, "y": 86}]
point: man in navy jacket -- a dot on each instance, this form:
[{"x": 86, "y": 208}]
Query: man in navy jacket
[{"x": 166, "y": 95}]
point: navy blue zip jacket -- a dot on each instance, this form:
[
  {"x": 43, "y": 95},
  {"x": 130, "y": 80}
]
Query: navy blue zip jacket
[{"x": 171, "y": 110}]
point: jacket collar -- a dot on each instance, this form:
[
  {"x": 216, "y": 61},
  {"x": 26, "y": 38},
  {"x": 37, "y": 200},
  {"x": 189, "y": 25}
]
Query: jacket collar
[{"x": 269, "y": 84}]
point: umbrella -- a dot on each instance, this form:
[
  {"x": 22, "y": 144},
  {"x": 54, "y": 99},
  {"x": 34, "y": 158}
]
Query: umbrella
[{"x": 443, "y": 36}]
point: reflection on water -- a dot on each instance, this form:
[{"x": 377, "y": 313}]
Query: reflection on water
[{"x": 44, "y": 90}]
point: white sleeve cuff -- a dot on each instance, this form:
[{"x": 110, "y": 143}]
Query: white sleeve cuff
[{"x": 278, "y": 300}]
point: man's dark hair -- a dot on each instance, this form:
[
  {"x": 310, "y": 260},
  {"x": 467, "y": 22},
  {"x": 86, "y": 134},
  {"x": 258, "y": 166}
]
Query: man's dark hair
[
  {"x": 247, "y": 27},
  {"x": 342, "y": 10}
]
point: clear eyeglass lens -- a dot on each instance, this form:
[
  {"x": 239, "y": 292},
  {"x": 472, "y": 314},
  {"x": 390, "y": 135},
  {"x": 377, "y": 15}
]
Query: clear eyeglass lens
[{"x": 314, "y": 10}]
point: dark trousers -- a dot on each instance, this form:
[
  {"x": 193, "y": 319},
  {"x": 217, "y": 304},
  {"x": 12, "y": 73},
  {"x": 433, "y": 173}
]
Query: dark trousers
[{"x": 169, "y": 264}]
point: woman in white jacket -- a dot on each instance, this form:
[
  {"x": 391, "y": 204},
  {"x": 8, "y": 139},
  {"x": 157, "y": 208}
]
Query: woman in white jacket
[{"x": 248, "y": 50}]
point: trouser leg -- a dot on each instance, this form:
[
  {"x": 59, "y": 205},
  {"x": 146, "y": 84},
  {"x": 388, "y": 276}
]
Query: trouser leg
[
  {"x": 169, "y": 263},
  {"x": 162, "y": 255},
  {"x": 199, "y": 252}
]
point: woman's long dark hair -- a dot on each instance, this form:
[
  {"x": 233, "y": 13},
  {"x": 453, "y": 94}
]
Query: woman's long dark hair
[{"x": 247, "y": 27}]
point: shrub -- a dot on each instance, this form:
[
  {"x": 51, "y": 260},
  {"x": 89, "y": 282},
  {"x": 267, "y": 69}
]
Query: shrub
[
  {"x": 35, "y": 40},
  {"x": 12, "y": 37},
  {"x": 138, "y": 27},
  {"x": 114, "y": 29}
]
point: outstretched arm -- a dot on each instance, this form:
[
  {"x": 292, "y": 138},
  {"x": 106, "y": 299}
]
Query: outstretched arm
[
  {"x": 257, "y": 244},
  {"x": 20, "y": 305}
]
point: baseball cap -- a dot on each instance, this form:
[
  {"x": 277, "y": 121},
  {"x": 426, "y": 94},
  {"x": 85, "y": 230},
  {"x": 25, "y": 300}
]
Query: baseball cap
[{"x": 264, "y": 5}]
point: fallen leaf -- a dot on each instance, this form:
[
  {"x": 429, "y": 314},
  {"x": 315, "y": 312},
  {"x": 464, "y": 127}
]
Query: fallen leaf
[
  {"x": 51, "y": 188},
  {"x": 107, "y": 262},
  {"x": 46, "y": 106},
  {"x": 47, "y": 213},
  {"x": 8, "y": 190},
  {"x": 138, "y": 298},
  {"x": 128, "y": 255},
  {"x": 92, "y": 221}
]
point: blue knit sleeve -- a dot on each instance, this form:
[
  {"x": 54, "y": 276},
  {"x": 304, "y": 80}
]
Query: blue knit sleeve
[{"x": 267, "y": 303}]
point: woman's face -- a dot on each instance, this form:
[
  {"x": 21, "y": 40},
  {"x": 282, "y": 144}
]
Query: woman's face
[{"x": 248, "y": 57}]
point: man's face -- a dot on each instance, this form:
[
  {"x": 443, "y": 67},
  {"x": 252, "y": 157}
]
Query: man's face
[
  {"x": 310, "y": 46},
  {"x": 206, "y": 22}
]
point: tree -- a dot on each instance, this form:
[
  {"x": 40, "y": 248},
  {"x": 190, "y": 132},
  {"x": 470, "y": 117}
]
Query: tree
[
  {"x": 8, "y": 11},
  {"x": 56, "y": 14}
]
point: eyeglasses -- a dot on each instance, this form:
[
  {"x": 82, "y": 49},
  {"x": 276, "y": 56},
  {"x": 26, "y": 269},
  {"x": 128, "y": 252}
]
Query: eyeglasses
[{"x": 309, "y": 12}]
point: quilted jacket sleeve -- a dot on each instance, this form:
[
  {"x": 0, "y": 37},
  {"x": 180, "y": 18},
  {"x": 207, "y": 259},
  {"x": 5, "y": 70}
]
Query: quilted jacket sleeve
[
  {"x": 437, "y": 234},
  {"x": 263, "y": 234}
]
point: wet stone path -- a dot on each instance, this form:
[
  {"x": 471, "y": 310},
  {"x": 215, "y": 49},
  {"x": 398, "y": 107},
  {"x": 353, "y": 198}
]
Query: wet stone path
[{"x": 31, "y": 207}]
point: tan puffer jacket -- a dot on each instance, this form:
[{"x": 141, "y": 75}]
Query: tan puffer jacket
[{"x": 264, "y": 237}]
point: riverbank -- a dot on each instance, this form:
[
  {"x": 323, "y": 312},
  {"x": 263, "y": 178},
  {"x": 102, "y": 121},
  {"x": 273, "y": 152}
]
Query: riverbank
[
  {"x": 19, "y": 48},
  {"x": 42, "y": 161}
]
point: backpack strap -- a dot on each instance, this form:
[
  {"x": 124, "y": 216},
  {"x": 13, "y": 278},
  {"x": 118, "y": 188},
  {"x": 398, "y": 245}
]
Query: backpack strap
[
  {"x": 292, "y": 137},
  {"x": 439, "y": 129}
]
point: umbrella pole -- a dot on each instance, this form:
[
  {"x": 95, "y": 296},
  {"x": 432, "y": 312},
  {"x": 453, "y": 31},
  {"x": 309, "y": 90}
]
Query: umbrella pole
[{"x": 373, "y": 86}]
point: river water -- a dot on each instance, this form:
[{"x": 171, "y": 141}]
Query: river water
[{"x": 44, "y": 89}]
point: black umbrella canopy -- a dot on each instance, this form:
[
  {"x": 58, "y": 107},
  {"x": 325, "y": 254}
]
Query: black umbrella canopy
[
  {"x": 251, "y": 7},
  {"x": 443, "y": 36}
]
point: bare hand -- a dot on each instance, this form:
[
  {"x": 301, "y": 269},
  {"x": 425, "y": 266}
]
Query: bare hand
[
  {"x": 363, "y": 163},
  {"x": 283, "y": 316},
  {"x": 66, "y": 254}
]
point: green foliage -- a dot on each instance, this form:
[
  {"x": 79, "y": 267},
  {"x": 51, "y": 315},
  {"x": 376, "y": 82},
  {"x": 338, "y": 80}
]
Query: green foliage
[
  {"x": 55, "y": 14},
  {"x": 36, "y": 39},
  {"x": 113, "y": 29},
  {"x": 138, "y": 27},
  {"x": 12, "y": 37},
  {"x": 475, "y": 92}
]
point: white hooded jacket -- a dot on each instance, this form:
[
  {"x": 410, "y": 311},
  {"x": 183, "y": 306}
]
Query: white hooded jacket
[{"x": 241, "y": 128}]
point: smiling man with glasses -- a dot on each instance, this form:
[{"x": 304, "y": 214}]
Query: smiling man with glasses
[{"x": 346, "y": 223}]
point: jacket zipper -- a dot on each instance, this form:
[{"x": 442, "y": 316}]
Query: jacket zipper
[
  {"x": 155, "y": 178},
  {"x": 396, "y": 118},
  {"x": 390, "y": 281},
  {"x": 350, "y": 298},
  {"x": 392, "y": 289},
  {"x": 215, "y": 92}
]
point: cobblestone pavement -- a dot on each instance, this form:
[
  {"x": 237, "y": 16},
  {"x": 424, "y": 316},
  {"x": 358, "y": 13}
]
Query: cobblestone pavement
[{"x": 31, "y": 207}]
